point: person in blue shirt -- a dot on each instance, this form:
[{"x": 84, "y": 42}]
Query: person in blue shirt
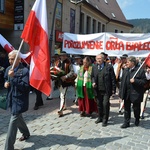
[{"x": 17, "y": 83}]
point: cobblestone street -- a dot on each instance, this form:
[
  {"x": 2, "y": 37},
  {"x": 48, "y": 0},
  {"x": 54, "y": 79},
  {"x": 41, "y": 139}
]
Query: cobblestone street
[{"x": 72, "y": 132}]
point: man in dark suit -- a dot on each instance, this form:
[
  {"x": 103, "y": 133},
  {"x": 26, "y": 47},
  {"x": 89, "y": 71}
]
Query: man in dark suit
[
  {"x": 132, "y": 90},
  {"x": 104, "y": 83}
]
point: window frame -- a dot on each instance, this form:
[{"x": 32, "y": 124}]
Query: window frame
[{"x": 2, "y": 6}]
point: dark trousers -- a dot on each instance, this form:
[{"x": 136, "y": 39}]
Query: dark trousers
[
  {"x": 103, "y": 105},
  {"x": 127, "y": 110},
  {"x": 39, "y": 100},
  {"x": 16, "y": 122}
]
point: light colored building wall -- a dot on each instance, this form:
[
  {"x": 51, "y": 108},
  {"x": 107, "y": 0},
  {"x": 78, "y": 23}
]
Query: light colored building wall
[
  {"x": 94, "y": 16},
  {"x": 111, "y": 27}
]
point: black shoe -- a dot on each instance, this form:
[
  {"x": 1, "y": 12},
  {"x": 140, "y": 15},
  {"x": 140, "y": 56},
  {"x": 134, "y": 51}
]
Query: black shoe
[
  {"x": 41, "y": 104},
  {"x": 60, "y": 113},
  {"x": 104, "y": 124},
  {"x": 137, "y": 122},
  {"x": 142, "y": 117},
  {"x": 24, "y": 137},
  {"x": 49, "y": 98},
  {"x": 120, "y": 112},
  {"x": 36, "y": 107},
  {"x": 98, "y": 120},
  {"x": 125, "y": 125},
  {"x": 75, "y": 102},
  {"x": 88, "y": 115},
  {"x": 82, "y": 114}
]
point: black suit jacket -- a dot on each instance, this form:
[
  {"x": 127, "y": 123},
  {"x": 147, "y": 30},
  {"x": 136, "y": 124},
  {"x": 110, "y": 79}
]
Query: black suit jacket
[
  {"x": 108, "y": 78},
  {"x": 132, "y": 91}
]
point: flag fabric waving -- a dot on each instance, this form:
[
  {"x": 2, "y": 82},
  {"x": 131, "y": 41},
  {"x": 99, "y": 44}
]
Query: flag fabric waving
[
  {"x": 5, "y": 44},
  {"x": 8, "y": 48},
  {"x": 35, "y": 33},
  {"x": 147, "y": 60}
]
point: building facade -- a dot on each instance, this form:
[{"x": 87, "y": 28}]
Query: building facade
[{"x": 85, "y": 17}]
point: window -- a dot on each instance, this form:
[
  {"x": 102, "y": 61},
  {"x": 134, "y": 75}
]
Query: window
[
  {"x": 97, "y": 7},
  {"x": 2, "y": 6},
  {"x": 103, "y": 28},
  {"x": 75, "y": 1},
  {"x": 106, "y": 1},
  {"x": 99, "y": 27},
  {"x": 82, "y": 23},
  {"x": 72, "y": 20},
  {"x": 94, "y": 26},
  {"x": 113, "y": 15},
  {"x": 88, "y": 25}
]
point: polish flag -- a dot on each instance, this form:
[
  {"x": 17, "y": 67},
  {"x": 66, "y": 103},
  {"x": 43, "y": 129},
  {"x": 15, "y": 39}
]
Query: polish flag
[
  {"x": 147, "y": 60},
  {"x": 35, "y": 33},
  {"x": 5, "y": 44},
  {"x": 8, "y": 48}
]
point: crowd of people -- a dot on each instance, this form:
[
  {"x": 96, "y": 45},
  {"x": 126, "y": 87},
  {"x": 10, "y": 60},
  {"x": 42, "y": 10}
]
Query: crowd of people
[{"x": 95, "y": 80}]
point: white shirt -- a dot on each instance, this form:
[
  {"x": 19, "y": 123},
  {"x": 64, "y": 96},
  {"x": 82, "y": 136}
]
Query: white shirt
[{"x": 147, "y": 75}]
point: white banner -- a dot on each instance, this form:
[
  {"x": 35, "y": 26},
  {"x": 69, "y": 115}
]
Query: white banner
[{"x": 113, "y": 44}]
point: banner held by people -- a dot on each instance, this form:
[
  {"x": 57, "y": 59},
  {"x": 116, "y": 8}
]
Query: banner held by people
[
  {"x": 113, "y": 44},
  {"x": 35, "y": 33}
]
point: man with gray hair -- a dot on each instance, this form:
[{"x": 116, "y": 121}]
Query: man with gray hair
[
  {"x": 104, "y": 84},
  {"x": 132, "y": 90},
  {"x": 17, "y": 83}
]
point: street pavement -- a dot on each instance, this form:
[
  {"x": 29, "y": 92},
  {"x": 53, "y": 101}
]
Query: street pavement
[{"x": 72, "y": 132}]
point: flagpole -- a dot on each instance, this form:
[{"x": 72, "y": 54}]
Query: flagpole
[
  {"x": 17, "y": 54},
  {"x": 139, "y": 69}
]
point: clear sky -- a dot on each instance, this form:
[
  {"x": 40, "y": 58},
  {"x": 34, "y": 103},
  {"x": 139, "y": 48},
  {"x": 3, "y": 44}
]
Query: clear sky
[{"x": 135, "y": 9}]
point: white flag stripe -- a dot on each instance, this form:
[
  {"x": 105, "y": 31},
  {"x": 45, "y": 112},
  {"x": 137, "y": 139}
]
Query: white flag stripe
[
  {"x": 3, "y": 41},
  {"x": 40, "y": 8}
]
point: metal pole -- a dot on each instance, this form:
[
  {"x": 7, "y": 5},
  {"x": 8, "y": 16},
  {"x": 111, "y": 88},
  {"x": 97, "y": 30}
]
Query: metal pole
[{"x": 52, "y": 28}]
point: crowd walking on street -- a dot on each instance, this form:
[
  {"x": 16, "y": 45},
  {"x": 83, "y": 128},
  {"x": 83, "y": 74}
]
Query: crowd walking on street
[{"x": 95, "y": 81}]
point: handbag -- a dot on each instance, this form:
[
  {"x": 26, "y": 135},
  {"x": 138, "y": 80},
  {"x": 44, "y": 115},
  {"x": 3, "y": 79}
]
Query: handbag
[{"x": 3, "y": 103}]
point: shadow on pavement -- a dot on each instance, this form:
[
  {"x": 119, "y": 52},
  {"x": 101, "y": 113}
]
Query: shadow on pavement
[{"x": 65, "y": 140}]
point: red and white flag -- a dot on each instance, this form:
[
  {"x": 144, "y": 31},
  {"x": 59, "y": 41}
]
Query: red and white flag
[
  {"x": 147, "y": 60},
  {"x": 8, "y": 48},
  {"x": 5, "y": 44},
  {"x": 35, "y": 33}
]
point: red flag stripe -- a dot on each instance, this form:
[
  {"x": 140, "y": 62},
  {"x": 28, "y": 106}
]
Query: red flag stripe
[
  {"x": 147, "y": 60},
  {"x": 8, "y": 48},
  {"x": 37, "y": 38}
]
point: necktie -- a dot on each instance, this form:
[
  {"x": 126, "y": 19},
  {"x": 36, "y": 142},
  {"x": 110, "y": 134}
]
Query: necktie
[
  {"x": 99, "y": 67},
  {"x": 130, "y": 70}
]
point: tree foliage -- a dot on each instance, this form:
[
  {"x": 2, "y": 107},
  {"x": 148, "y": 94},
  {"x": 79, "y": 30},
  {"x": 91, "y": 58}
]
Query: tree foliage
[{"x": 140, "y": 25}]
